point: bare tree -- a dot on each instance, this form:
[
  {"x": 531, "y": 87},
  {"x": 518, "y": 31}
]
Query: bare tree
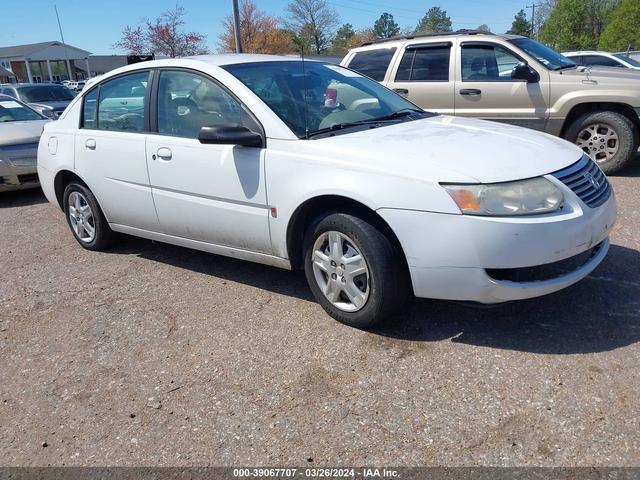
[
  {"x": 543, "y": 10},
  {"x": 259, "y": 32},
  {"x": 313, "y": 23},
  {"x": 162, "y": 36},
  {"x": 133, "y": 41}
]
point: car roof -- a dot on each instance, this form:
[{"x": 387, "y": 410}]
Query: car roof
[
  {"x": 457, "y": 33},
  {"x": 587, "y": 52},
  {"x": 234, "y": 58}
]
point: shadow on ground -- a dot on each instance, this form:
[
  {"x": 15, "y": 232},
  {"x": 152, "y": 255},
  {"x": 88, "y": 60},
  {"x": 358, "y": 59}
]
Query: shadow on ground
[
  {"x": 633, "y": 170},
  {"x": 22, "y": 198},
  {"x": 600, "y": 313}
]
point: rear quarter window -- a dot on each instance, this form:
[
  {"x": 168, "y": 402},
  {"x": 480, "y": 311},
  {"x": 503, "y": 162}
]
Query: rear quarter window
[{"x": 373, "y": 63}]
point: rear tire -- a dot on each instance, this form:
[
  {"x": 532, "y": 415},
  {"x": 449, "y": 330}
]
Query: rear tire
[
  {"x": 609, "y": 138},
  {"x": 362, "y": 280},
  {"x": 85, "y": 218}
]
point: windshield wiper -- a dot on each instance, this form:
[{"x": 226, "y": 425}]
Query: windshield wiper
[{"x": 369, "y": 121}]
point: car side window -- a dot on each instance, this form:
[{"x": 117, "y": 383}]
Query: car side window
[
  {"x": 487, "y": 63},
  {"x": 429, "y": 64},
  {"x": 373, "y": 63},
  {"x": 121, "y": 103},
  {"x": 89, "y": 107},
  {"x": 599, "y": 60},
  {"x": 188, "y": 101}
]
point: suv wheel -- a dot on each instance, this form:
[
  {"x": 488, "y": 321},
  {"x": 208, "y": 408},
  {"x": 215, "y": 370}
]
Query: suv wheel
[
  {"x": 85, "y": 219},
  {"x": 353, "y": 270},
  {"x": 609, "y": 138}
]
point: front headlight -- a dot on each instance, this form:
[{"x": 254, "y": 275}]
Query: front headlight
[{"x": 524, "y": 197}]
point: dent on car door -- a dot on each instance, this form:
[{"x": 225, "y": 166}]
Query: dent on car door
[
  {"x": 207, "y": 192},
  {"x": 110, "y": 150},
  {"x": 424, "y": 75},
  {"x": 485, "y": 89}
]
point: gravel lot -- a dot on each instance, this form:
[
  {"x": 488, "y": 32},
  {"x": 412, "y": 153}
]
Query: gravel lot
[{"x": 156, "y": 355}]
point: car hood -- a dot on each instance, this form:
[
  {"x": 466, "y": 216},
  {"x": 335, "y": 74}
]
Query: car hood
[
  {"x": 596, "y": 73},
  {"x": 453, "y": 149},
  {"x": 14, "y": 133}
]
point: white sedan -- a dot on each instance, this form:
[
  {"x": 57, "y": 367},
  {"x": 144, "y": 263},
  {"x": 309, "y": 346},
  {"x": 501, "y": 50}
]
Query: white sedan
[{"x": 307, "y": 165}]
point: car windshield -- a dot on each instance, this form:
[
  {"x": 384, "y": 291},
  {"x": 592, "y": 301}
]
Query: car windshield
[
  {"x": 546, "y": 56},
  {"x": 12, "y": 111},
  {"x": 629, "y": 60},
  {"x": 311, "y": 97},
  {"x": 45, "y": 93}
]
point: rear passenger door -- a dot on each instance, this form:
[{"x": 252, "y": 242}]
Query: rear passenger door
[
  {"x": 424, "y": 75},
  {"x": 110, "y": 149},
  {"x": 484, "y": 87}
]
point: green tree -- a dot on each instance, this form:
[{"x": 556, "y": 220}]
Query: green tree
[
  {"x": 484, "y": 28},
  {"x": 520, "y": 25},
  {"x": 622, "y": 31},
  {"x": 385, "y": 26},
  {"x": 434, "y": 21},
  {"x": 341, "y": 39},
  {"x": 576, "y": 24}
]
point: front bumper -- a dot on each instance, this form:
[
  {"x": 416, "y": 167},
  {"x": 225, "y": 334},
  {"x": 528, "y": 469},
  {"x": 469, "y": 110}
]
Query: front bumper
[
  {"x": 449, "y": 256},
  {"x": 18, "y": 167}
]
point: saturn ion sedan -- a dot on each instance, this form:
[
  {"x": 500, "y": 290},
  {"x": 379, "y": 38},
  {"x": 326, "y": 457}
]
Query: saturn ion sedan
[{"x": 308, "y": 165}]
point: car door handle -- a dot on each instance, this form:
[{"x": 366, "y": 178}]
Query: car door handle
[
  {"x": 164, "y": 153},
  {"x": 401, "y": 91},
  {"x": 470, "y": 91},
  {"x": 90, "y": 143}
]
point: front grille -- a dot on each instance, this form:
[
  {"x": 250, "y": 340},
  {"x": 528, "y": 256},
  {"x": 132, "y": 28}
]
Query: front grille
[
  {"x": 587, "y": 181},
  {"x": 28, "y": 178},
  {"x": 548, "y": 271}
]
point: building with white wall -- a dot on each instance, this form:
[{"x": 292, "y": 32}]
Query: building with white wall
[{"x": 46, "y": 61}]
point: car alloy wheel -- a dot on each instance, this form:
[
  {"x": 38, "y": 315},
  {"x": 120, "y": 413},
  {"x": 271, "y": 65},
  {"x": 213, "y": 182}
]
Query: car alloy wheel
[
  {"x": 341, "y": 271},
  {"x": 599, "y": 141},
  {"x": 81, "y": 217}
]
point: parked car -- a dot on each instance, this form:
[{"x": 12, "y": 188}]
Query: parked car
[
  {"x": 516, "y": 80},
  {"x": 602, "y": 59},
  {"x": 20, "y": 130},
  {"x": 308, "y": 165},
  {"x": 75, "y": 85},
  {"x": 47, "y": 99}
]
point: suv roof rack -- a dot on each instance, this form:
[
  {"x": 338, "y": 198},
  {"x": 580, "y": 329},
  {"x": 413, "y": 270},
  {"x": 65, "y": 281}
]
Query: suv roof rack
[{"x": 463, "y": 31}]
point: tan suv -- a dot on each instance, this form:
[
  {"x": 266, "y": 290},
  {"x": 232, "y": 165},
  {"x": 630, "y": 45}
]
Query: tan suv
[{"x": 512, "y": 79}]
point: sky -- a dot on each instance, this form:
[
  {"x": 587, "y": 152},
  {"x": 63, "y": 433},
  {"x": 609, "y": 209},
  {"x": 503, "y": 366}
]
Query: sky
[{"x": 94, "y": 26}]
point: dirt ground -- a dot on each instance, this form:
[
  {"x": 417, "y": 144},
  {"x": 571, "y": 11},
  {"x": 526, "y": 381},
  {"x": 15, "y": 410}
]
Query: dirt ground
[{"x": 151, "y": 354}]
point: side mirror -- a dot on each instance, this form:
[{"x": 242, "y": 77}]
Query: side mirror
[
  {"x": 230, "y": 134},
  {"x": 524, "y": 72}
]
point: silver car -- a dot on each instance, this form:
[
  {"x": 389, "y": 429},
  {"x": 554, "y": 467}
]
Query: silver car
[
  {"x": 48, "y": 99},
  {"x": 20, "y": 130}
]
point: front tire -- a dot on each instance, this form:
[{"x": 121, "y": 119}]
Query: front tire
[
  {"x": 85, "y": 218},
  {"x": 354, "y": 271},
  {"x": 609, "y": 138}
]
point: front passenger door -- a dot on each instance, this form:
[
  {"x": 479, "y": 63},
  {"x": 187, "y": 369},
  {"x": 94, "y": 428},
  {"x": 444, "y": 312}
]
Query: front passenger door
[
  {"x": 484, "y": 87},
  {"x": 210, "y": 193}
]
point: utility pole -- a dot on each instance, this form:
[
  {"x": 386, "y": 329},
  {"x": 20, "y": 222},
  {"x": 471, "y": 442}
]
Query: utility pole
[
  {"x": 533, "y": 19},
  {"x": 236, "y": 25}
]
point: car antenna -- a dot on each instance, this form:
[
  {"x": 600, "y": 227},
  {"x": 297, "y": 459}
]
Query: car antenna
[{"x": 304, "y": 86}]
